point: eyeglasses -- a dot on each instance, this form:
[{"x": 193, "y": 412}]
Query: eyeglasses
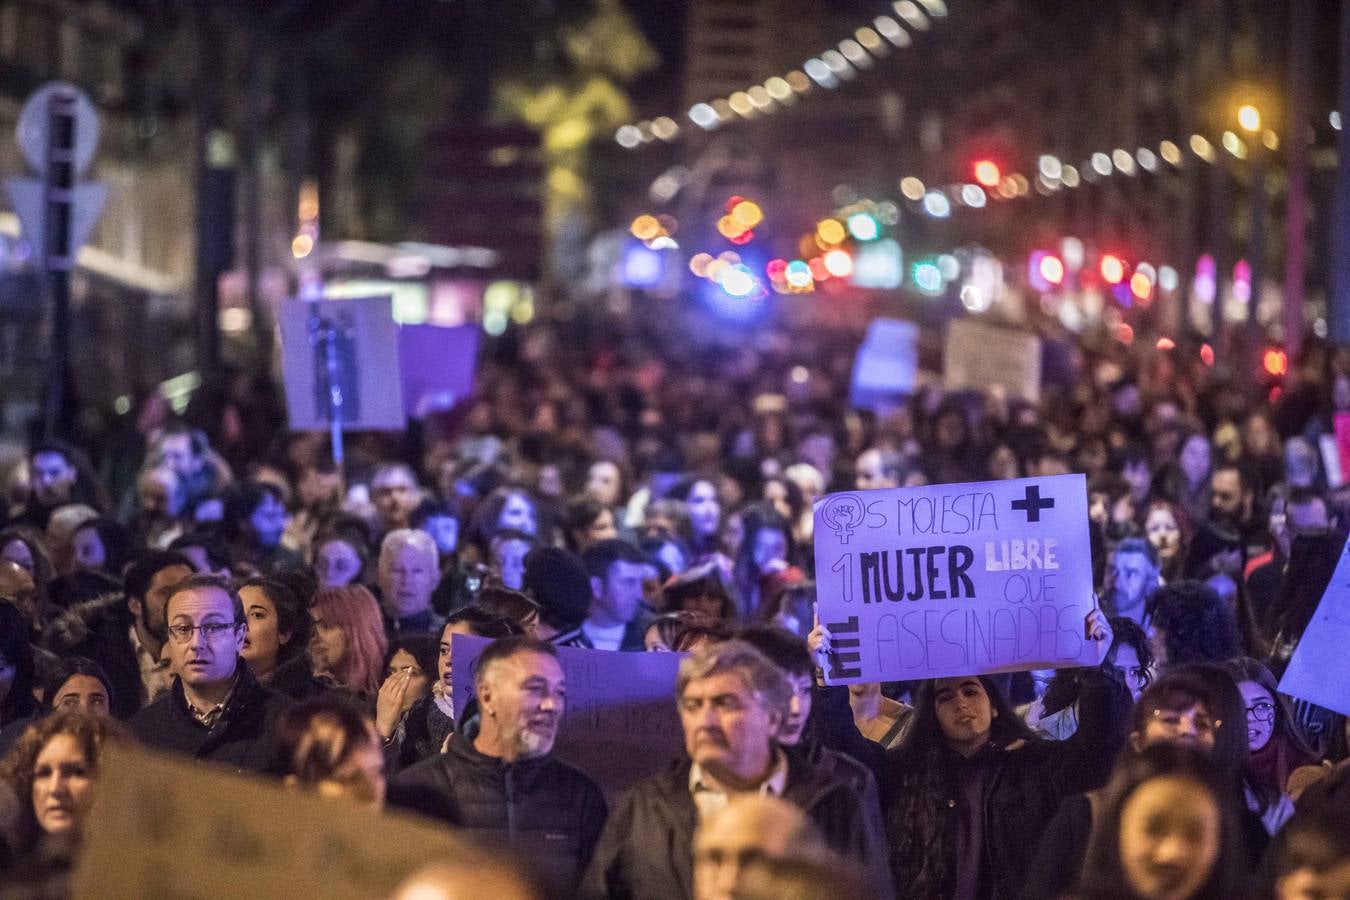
[
  {"x": 211, "y": 630},
  {"x": 1173, "y": 720},
  {"x": 1261, "y": 711}
]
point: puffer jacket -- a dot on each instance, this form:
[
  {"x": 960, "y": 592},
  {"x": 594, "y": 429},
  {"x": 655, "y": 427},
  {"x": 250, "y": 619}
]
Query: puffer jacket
[
  {"x": 544, "y": 811},
  {"x": 646, "y": 852}
]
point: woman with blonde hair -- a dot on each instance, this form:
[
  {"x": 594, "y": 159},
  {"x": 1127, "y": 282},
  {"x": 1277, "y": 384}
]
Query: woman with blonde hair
[{"x": 349, "y": 643}]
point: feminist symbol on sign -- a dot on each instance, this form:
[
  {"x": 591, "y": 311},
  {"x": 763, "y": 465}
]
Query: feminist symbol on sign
[{"x": 843, "y": 513}]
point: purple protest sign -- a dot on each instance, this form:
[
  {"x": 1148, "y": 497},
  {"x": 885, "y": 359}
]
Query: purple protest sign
[
  {"x": 437, "y": 366},
  {"x": 955, "y": 579},
  {"x": 621, "y": 722}
]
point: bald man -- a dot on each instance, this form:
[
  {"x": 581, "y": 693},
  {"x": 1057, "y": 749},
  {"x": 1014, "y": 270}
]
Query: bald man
[{"x": 749, "y": 827}]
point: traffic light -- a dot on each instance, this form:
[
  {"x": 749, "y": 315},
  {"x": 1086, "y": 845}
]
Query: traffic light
[{"x": 1276, "y": 362}]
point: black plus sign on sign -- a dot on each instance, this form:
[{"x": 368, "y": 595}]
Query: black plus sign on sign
[{"x": 1032, "y": 504}]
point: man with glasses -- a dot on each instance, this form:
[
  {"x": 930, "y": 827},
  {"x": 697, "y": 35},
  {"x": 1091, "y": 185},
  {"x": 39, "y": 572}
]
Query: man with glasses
[{"x": 215, "y": 710}]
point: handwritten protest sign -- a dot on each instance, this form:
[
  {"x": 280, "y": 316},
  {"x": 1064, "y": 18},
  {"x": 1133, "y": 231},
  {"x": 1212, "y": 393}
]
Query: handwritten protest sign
[
  {"x": 621, "y": 723},
  {"x": 1316, "y": 671},
  {"x": 351, "y": 344},
  {"x": 955, "y": 579},
  {"x": 980, "y": 356},
  {"x": 167, "y": 827}
]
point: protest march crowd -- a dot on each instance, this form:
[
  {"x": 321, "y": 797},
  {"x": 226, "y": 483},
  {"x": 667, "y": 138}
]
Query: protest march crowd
[{"x": 208, "y": 584}]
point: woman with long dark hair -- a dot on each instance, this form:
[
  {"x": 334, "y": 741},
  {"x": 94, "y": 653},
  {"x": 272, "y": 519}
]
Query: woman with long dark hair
[
  {"x": 766, "y": 551},
  {"x": 1193, "y": 705},
  {"x": 970, "y": 789},
  {"x": 17, "y": 669},
  {"x": 1276, "y": 745}
]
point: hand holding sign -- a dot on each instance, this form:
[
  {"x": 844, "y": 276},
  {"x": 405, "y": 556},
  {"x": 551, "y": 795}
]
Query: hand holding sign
[{"x": 956, "y": 579}]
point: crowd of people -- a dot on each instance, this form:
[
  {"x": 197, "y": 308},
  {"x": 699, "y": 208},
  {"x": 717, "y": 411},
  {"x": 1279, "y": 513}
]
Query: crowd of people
[{"x": 210, "y": 584}]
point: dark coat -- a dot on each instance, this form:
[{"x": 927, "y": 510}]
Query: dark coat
[
  {"x": 544, "y": 810},
  {"x": 1026, "y": 782},
  {"x": 98, "y": 630},
  {"x": 421, "y": 734},
  {"x": 295, "y": 678},
  {"x": 243, "y": 737},
  {"x": 646, "y": 852}
]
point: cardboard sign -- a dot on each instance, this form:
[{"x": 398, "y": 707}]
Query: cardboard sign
[
  {"x": 887, "y": 364},
  {"x": 350, "y": 344},
  {"x": 437, "y": 366},
  {"x": 980, "y": 356},
  {"x": 955, "y": 579},
  {"x": 166, "y": 827},
  {"x": 621, "y": 723},
  {"x": 1316, "y": 671}
]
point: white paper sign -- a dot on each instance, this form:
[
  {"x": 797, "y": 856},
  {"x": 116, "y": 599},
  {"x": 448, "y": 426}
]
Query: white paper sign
[
  {"x": 363, "y": 363},
  {"x": 980, "y": 356},
  {"x": 955, "y": 579}
]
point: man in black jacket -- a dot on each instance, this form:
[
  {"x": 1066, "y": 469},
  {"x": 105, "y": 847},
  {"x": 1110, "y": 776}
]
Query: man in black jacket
[
  {"x": 216, "y": 710},
  {"x": 732, "y": 705},
  {"x": 126, "y": 634},
  {"x": 503, "y": 786}
]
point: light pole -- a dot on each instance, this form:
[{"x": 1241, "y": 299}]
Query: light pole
[{"x": 1249, "y": 119}]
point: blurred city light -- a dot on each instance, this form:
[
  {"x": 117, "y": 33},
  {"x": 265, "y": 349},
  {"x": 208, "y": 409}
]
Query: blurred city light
[
  {"x": 879, "y": 265},
  {"x": 987, "y": 173},
  {"x": 838, "y": 263},
  {"x": 645, "y": 227},
  {"x": 1141, "y": 286},
  {"x": 798, "y": 274},
  {"x": 642, "y": 266},
  {"x": 863, "y": 227},
  {"x": 1206, "y": 284},
  {"x": 747, "y": 213},
  {"x": 830, "y": 232},
  {"x": 738, "y": 280},
  {"x": 912, "y": 188},
  {"x": 1275, "y": 361},
  {"x": 703, "y": 115},
  {"x": 936, "y": 204},
  {"x": 1249, "y": 117},
  {"x": 1052, "y": 269},
  {"x": 927, "y": 277},
  {"x": 1112, "y": 269}
]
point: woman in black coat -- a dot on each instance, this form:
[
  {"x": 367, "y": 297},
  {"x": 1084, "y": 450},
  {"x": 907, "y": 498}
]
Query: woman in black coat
[{"x": 970, "y": 789}]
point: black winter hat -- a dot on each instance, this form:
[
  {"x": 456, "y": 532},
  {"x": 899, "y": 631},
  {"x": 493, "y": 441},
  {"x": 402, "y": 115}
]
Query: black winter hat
[{"x": 558, "y": 582}]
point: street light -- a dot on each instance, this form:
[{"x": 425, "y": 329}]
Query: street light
[{"x": 1249, "y": 117}]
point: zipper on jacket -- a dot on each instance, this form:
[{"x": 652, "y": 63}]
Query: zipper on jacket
[{"x": 510, "y": 805}]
